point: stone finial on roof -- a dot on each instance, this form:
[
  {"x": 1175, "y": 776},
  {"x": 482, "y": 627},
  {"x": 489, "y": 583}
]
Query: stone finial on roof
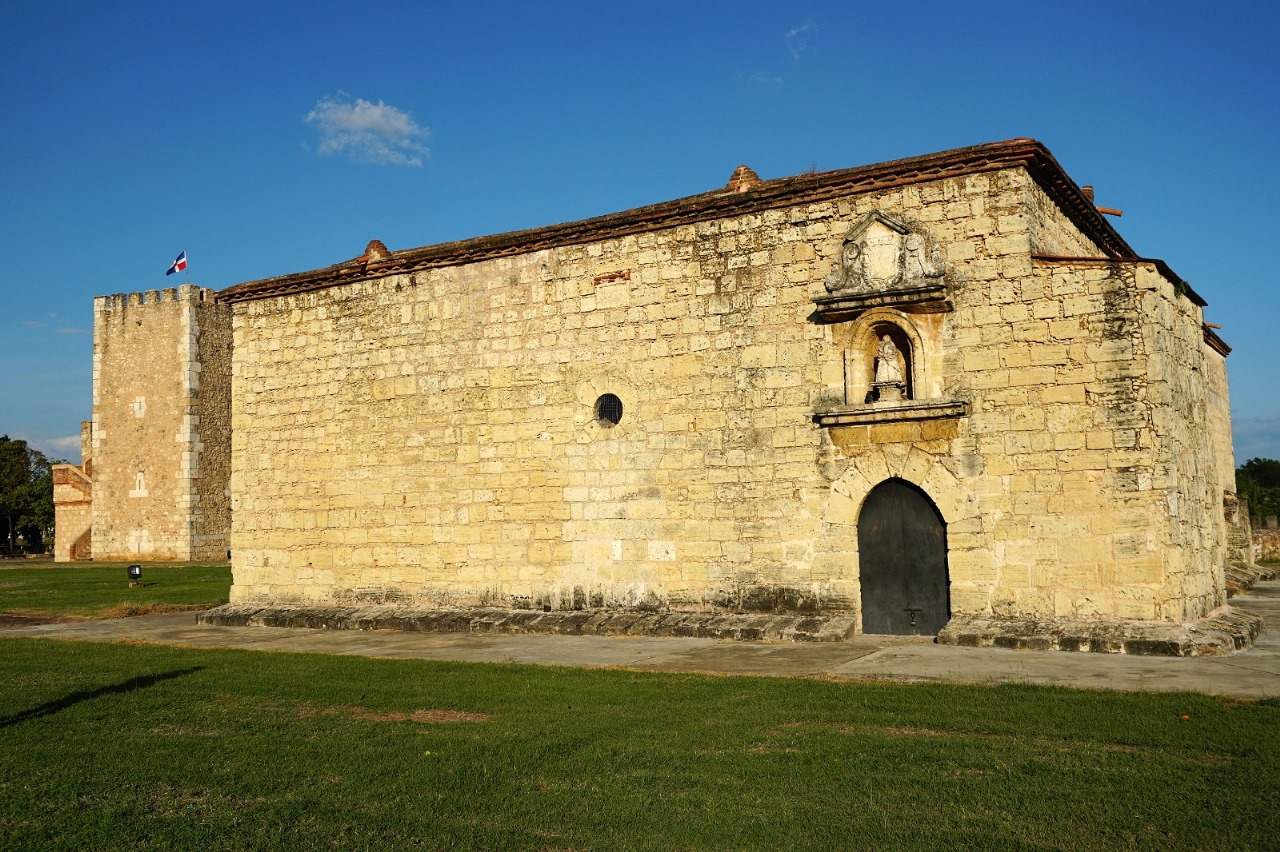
[
  {"x": 375, "y": 250},
  {"x": 744, "y": 177}
]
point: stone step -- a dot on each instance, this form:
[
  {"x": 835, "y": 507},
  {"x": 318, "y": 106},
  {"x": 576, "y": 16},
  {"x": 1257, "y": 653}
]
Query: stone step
[{"x": 1224, "y": 631}]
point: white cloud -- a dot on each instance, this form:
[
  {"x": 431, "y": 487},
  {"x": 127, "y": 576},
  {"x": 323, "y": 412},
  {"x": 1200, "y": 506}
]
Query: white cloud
[
  {"x": 61, "y": 325},
  {"x": 53, "y": 448},
  {"x": 795, "y": 40},
  {"x": 797, "y": 45},
  {"x": 367, "y": 132},
  {"x": 62, "y": 445}
]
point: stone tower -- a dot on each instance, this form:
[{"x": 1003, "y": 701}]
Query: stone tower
[{"x": 161, "y": 425}]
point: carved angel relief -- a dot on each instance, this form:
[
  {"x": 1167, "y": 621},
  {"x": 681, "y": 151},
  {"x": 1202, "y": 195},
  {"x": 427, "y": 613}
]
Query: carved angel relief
[{"x": 882, "y": 254}]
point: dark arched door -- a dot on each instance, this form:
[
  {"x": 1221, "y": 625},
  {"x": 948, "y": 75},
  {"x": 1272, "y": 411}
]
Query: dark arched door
[{"x": 902, "y": 561}]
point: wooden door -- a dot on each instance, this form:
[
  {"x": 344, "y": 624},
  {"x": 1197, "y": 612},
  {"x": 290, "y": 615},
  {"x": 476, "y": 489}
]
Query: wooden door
[{"x": 902, "y": 562}]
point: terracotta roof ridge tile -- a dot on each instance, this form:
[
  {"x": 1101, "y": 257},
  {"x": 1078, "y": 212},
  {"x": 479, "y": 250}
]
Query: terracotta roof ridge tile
[{"x": 722, "y": 202}]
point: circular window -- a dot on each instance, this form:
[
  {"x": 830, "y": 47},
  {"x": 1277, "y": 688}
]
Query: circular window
[{"x": 608, "y": 410}]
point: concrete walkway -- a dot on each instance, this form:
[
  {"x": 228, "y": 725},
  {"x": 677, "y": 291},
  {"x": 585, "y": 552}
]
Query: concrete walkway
[{"x": 1254, "y": 673}]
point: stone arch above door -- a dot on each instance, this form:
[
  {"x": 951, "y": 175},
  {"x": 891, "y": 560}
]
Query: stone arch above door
[
  {"x": 874, "y": 464},
  {"x": 955, "y": 498}
]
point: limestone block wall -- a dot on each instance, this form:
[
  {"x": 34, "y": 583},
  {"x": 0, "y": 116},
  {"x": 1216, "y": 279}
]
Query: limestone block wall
[
  {"x": 1052, "y": 233},
  {"x": 1192, "y": 464},
  {"x": 1235, "y": 514},
  {"x": 156, "y": 488},
  {"x": 207, "y": 442},
  {"x": 1239, "y": 531},
  {"x": 73, "y": 513},
  {"x": 1218, "y": 422},
  {"x": 1266, "y": 543},
  {"x": 433, "y": 437},
  {"x": 1047, "y": 483},
  {"x": 1089, "y": 419},
  {"x": 1010, "y": 478}
]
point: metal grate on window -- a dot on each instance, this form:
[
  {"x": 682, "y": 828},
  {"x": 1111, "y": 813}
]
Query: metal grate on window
[{"x": 608, "y": 410}]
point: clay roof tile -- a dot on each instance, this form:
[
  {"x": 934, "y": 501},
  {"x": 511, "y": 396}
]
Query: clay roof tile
[{"x": 731, "y": 200}]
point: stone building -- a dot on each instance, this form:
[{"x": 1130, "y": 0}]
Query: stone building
[
  {"x": 940, "y": 392},
  {"x": 73, "y": 503},
  {"x": 157, "y": 452}
]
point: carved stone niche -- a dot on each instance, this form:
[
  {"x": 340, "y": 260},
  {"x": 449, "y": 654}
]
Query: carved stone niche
[
  {"x": 883, "y": 263},
  {"x": 892, "y": 371}
]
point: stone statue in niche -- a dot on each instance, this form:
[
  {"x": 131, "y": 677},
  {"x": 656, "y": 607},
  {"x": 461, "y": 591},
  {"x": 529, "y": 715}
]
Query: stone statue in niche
[
  {"x": 882, "y": 254},
  {"x": 889, "y": 384},
  {"x": 888, "y": 362}
]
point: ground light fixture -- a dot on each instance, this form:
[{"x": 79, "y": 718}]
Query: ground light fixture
[{"x": 135, "y": 575}]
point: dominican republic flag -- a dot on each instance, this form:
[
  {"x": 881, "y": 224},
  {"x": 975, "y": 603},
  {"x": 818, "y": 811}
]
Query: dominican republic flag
[{"x": 178, "y": 265}]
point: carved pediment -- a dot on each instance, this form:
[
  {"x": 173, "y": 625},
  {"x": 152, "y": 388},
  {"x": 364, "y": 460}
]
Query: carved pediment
[{"x": 881, "y": 254}]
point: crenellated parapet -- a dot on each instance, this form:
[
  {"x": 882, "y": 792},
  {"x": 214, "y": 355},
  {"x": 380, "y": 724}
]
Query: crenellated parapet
[{"x": 182, "y": 293}]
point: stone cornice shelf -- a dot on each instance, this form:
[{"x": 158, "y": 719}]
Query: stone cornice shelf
[
  {"x": 839, "y": 307},
  {"x": 916, "y": 409}
]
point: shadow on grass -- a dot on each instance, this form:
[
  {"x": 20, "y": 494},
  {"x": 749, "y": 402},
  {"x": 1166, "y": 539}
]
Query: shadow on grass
[{"x": 57, "y": 706}]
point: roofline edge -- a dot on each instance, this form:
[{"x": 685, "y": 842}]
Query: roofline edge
[{"x": 1029, "y": 154}]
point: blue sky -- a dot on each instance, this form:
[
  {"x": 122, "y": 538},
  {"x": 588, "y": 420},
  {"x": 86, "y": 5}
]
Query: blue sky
[{"x": 273, "y": 138}]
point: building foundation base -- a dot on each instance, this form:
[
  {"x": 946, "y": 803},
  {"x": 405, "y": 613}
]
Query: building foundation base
[
  {"x": 701, "y": 625},
  {"x": 1224, "y": 631}
]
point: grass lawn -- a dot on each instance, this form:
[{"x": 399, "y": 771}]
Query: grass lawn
[
  {"x": 128, "y": 746},
  {"x": 101, "y": 590}
]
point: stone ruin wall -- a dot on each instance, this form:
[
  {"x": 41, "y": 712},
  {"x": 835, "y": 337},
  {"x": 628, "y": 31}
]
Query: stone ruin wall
[
  {"x": 154, "y": 487},
  {"x": 1266, "y": 541},
  {"x": 73, "y": 515},
  {"x": 73, "y": 503},
  {"x": 430, "y": 438}
]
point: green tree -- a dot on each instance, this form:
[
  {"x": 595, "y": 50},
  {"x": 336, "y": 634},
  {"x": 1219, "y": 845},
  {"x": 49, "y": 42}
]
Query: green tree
[
  {"x": 26, "y": 496},
  {"x": 1258, "y": 480}
]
